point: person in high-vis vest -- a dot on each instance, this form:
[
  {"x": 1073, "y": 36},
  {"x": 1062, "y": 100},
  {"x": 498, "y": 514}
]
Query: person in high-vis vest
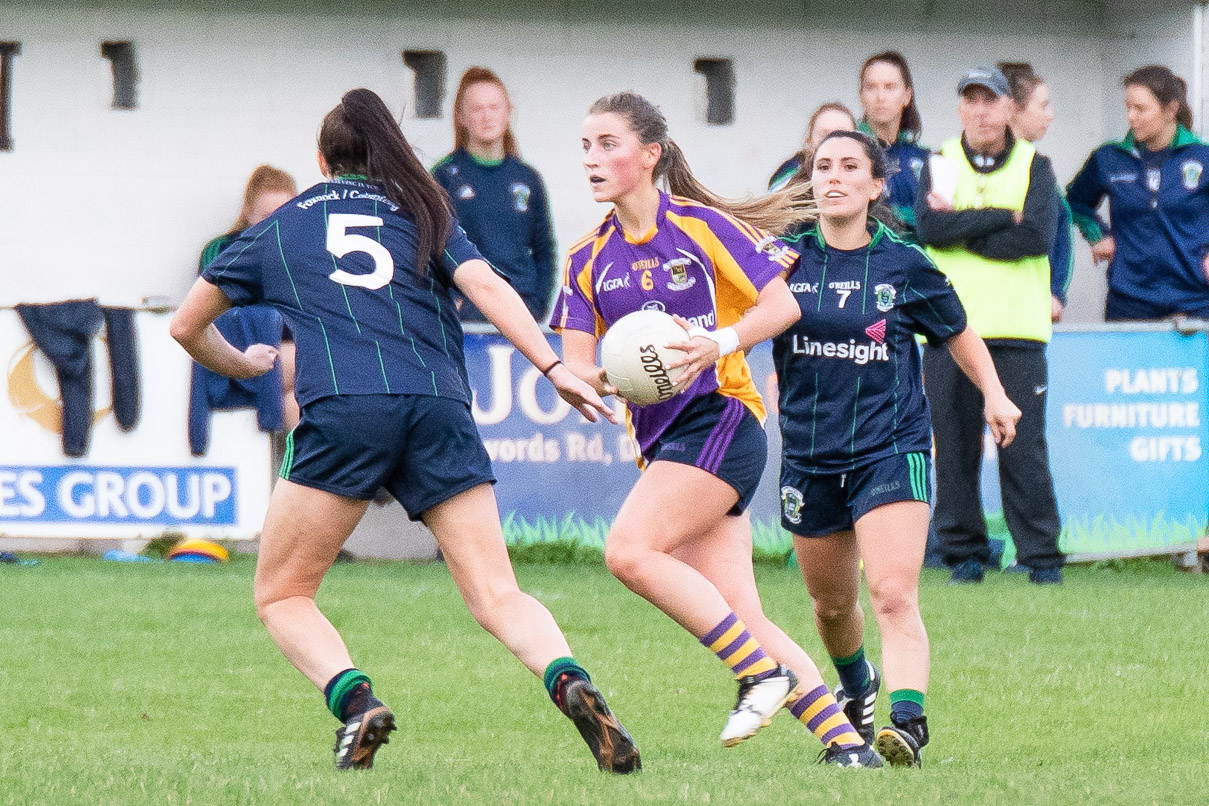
[{"x": 987, "y": 211}]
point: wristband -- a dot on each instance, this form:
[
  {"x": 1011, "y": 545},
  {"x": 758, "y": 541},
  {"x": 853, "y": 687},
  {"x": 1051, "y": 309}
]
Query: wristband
[
  {"x": 547, "y": 370},
  {"x": 726, "y": 338}
]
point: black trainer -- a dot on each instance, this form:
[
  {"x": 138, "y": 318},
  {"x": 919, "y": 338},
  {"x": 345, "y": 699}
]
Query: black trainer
[
  {"x": 900, "y": 743},
  {"x": 862, "y": 756},
  {"x": 609, "y": 742},
  {"x": 360, "y": 737},
  {"x": 859, "y": 710}
]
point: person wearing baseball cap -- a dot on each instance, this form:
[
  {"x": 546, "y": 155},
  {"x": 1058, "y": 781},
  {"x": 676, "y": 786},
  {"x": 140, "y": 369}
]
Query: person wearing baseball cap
[{"x": 987, "y": 212}]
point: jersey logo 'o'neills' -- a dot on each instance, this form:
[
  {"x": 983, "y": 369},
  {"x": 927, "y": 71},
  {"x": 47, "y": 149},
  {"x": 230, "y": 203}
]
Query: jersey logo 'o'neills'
[
  {"x": 859, "y": 354},
  {"x": 653, "y": 366}
]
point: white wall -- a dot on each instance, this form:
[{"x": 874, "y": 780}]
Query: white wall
[{"x": 117, "y": 204}]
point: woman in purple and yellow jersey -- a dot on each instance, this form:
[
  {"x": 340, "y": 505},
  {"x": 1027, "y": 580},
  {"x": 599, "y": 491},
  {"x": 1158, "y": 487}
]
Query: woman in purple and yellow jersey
[
  {"x": 856, "y": 434},
  {"x": 268, "y": 188},
  {"x": 363, "y": 267},
  {"x": 682, "y": 539}
]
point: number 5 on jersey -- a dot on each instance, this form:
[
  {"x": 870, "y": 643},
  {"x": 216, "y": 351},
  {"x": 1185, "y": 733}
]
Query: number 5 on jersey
[{"x": 340, "y": 243}]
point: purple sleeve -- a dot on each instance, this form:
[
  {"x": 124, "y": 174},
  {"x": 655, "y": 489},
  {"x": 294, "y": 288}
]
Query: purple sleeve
[{"x": 747, "y": 257}]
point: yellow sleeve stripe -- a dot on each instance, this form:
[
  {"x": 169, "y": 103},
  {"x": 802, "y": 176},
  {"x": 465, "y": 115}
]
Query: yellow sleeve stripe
[
  {"x": 727, "y": 637},
  {"x": 753, "y": 234}
]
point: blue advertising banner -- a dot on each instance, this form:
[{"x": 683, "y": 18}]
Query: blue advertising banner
[
  {"x": 1127, "y": 437},
  {"x": 1126, "y": 427},
  {"x": 119, "y": 495},
  {"x": 561, "y": 477}
]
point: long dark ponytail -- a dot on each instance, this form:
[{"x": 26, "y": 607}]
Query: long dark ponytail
[
  {"x": 359, "y": 136},
  {"x": 778, "y": 211}
]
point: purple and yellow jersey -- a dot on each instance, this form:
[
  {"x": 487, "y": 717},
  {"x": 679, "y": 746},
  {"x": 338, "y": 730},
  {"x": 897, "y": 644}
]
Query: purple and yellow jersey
[{"x": 697, "y": 262}]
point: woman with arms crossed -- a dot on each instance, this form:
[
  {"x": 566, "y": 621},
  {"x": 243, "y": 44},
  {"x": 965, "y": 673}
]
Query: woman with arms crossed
[
  {"x": 362, "y": 267},
  {"x": 682, "y": 540},
  {"x": 857, "y": 435}
]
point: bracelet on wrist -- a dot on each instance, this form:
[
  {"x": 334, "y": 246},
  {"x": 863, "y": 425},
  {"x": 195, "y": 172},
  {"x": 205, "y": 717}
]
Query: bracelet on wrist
[{"x": 548, "y": 369}]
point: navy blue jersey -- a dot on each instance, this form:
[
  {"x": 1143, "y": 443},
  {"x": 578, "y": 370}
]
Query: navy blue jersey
[
  {"x": 338, "y": 262},
  {"x": 1159, "y": 208},
  {"x": 505, "y": 212},
  {"x": 905, "y": 159},
  {"x": 849, "y": 369}
]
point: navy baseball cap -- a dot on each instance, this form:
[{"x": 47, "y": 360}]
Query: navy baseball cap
[{"x": 992, "y": 78}]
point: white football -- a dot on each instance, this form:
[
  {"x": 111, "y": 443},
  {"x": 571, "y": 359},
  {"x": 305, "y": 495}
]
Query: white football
[{"x": 635, "y": 356}]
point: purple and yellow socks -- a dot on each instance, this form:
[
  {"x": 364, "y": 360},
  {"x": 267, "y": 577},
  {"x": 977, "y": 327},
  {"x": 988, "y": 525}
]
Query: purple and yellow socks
[{"x": 734, "y": 645}]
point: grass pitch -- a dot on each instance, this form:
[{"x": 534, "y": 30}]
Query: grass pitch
[{"x": 155, "y": 684}]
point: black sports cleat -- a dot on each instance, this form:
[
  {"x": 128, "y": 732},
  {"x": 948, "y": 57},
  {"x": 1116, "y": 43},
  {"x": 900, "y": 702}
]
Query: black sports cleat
[
  {"x": 901, "y": 743},
  {"x": 859, "y": 710},
  {"x": 609, "y": 742},
  {"x": 862, "y": 756},
  {"x": 360, "y": 737}
]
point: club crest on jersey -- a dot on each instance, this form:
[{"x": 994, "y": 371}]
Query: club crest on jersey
[
  {"x": 770, "y": 246},
  {"x": 884, "y": 294},
  {"x": 877, "y": 331},
  {"x": 678, "y": 268},
  {"x": 916, "y": 166},
  {"x": 465, "y": 193},
  {"x": 1191, "y": 171},
  {"x": 520, "y": 196},
  {"x": 791, "y": 504},
  {"x": 654, "y": 305},
  {"x": 1154, "y": 179}
]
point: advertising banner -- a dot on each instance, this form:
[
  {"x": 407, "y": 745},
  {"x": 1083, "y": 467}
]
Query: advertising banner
[{"x": 130, "y": 484}]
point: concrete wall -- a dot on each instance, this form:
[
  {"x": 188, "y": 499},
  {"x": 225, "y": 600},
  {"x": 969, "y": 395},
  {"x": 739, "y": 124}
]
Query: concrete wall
[{"x": 116, "y": 204}]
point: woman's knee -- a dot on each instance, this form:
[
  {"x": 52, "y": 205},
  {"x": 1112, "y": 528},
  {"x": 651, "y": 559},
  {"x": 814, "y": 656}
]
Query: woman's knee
[
  {"x": 834, "y": 609},
  {"x": 624, "y": 555},
  {"x": 895, "y": 600}
]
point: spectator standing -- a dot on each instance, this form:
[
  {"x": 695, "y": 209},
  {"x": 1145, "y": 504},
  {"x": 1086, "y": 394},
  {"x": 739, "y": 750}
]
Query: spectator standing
[
  {"x": 829, "y": 117},
  {"x": 888, "y": 112},
  {"x": 1157, "y": 247},
  {"x": 1030, "y": 121},
  {"x": 268, "y": 188},
  {"x": 499, "y": 200},
  {"x": 989, "y": 223}
]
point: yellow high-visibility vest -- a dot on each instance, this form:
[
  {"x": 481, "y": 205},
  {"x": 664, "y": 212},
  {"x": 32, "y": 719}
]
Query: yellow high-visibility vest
[{"x": 1004, "y": 299}]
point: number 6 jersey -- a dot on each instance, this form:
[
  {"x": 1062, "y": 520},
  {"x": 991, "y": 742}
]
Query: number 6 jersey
[{"x": 338, "y": 262}]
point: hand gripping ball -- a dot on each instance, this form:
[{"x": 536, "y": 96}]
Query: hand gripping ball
[{"x": 635, "y": 356}]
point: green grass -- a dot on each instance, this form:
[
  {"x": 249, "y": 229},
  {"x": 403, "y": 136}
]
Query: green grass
[{"x": 155, "y": 684}]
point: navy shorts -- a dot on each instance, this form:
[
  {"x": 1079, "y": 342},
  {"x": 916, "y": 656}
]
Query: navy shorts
[
  {"x": 422, "y": 449},
  {"x": 721, "y": 436},
  {"x": 814, "y": 505}
]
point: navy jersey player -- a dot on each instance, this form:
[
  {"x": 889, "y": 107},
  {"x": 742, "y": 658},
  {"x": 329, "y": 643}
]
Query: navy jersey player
[
  {"x": 361, "y": 267},
  {"x": 856, "y": 432}
]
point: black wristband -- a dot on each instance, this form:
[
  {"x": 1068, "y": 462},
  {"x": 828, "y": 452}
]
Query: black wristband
[{"x": 557, "y": 361}]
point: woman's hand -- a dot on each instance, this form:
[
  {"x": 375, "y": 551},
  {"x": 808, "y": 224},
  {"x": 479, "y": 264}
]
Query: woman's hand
[
  {"x": 700, "y": 353},
  {"x": 1056, "y": 309},
  {"x": 1001, "y": 415},
  {"x": 1102, "y": 251},
  {"x": 939, "y": 204},
  {"x": 580, "y": 394},
  {"x": 260, "y": 359}
]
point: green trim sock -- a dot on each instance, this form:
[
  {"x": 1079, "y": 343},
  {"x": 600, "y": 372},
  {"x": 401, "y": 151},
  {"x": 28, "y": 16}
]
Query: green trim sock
[
  {"x": 557, "y": 672},
  {"x": 906, "y": 704},
  {"x": 854, "y": 673},
  {"x": 339, "y": 687}
]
